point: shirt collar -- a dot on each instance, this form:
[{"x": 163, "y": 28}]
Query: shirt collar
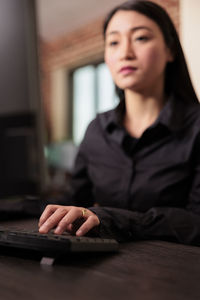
[
  {"x": 109, "y": 119},
  {"x": 110, "y": 123},
  {"x": 171, "y": 116}
]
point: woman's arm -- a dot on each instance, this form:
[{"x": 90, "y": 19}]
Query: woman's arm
[
  {"x": 166, "y": 223},
  {"x": 81, "y": 185}
]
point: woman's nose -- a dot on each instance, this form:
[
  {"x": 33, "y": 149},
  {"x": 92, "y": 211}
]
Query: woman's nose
[{"x": 127, "y": 51}]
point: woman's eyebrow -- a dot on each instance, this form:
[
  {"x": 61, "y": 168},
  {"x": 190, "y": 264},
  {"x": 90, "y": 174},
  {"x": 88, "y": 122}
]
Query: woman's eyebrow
[
  {"x": 131, "y": 29},
  {"x": 139, "y": 28}
]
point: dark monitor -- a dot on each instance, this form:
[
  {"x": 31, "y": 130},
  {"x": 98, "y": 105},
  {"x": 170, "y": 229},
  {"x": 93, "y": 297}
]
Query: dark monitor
[
  {"x": 21, "y": 130},
  {"x": 19, "y": 157}
]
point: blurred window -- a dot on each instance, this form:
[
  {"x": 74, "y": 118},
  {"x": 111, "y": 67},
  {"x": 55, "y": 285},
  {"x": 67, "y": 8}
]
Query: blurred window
[{"x": 93, "y": 92}]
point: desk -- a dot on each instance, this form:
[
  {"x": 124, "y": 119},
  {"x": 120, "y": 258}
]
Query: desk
[{"x": 146, "y": 270}]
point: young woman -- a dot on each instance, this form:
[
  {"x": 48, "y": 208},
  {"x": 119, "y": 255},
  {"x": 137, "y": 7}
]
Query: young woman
[{"x": 137, "y": 173}]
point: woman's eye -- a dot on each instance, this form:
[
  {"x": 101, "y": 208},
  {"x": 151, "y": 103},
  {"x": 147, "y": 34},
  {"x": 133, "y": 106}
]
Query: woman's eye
[
  {"x": 142, "y": 38},
  {"x": 113, "y": 43}
]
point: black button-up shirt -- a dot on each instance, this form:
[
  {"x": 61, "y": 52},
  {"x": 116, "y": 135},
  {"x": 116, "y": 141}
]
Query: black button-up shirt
[{"x": 146, "y": 188}]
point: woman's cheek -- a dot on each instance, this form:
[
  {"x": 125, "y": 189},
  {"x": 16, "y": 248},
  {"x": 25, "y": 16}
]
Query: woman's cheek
[
  {"x": 155, "y": 59},
  {"x": 151, "y": 58},
  {"x": 111, "y": 62}
]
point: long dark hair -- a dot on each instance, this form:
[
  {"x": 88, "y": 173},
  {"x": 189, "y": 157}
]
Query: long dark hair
[{"x": 177, "y": 78}]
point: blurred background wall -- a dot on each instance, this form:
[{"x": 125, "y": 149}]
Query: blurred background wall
[{"x": 189, "y": 32}]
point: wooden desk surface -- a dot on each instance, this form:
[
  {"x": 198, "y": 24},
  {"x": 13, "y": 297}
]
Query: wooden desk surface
[{"x": 147, "y": 270}]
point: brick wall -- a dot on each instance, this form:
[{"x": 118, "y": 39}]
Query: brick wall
[{"x": 78, "y": 48}]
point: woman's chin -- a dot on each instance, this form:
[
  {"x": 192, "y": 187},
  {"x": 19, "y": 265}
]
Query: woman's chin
[{"x": 133, "y": 87}]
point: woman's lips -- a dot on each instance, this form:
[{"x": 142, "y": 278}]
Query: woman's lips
[{"x": 127, "y": 70}]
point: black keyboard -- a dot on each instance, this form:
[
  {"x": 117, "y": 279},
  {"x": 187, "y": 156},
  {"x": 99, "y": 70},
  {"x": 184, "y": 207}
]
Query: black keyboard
[{"x": 52, "y": 245}]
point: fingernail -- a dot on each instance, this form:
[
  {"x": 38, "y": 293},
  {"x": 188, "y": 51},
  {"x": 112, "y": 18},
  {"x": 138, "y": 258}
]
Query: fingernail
[
  {"x": 57, "y": 230},
  {"x": 79, "y": 232},
  {"x": 43, "y": 228}
]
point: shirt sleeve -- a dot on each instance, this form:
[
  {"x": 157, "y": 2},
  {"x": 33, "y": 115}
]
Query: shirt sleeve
[
  {"x": 82, "y": 191},
  {"x": 164, "y": 223}
]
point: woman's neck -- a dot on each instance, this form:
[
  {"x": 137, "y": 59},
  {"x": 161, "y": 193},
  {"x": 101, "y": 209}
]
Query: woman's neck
[{"x": 141, "y": 111}]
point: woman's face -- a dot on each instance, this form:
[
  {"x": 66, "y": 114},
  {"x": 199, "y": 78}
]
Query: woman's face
[{"x": 135, "y": 51}]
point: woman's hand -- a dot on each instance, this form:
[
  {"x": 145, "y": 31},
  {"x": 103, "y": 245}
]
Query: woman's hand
[{"x": 62, "y": 217}]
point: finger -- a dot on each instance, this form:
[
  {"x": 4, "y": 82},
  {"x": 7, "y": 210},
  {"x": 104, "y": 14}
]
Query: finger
[
  {"x": 73, "y": 214},
  {"x": 49, "y": 210},
  {"x": 54, "y": 219},
  {"x": 91, "y": 222},
  {"x": 69, "y": 228}
]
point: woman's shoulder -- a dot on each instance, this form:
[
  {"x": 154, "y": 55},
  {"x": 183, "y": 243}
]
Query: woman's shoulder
[
  {"x": 189, "y": 124},
  {"x": 102, "y": 121},
  {"x": 96, "y": 132},
  {"x": 192, "y": 113}
]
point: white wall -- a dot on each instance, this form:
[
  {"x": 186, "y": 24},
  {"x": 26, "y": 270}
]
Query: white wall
[{"x": 190, "y": 38}]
